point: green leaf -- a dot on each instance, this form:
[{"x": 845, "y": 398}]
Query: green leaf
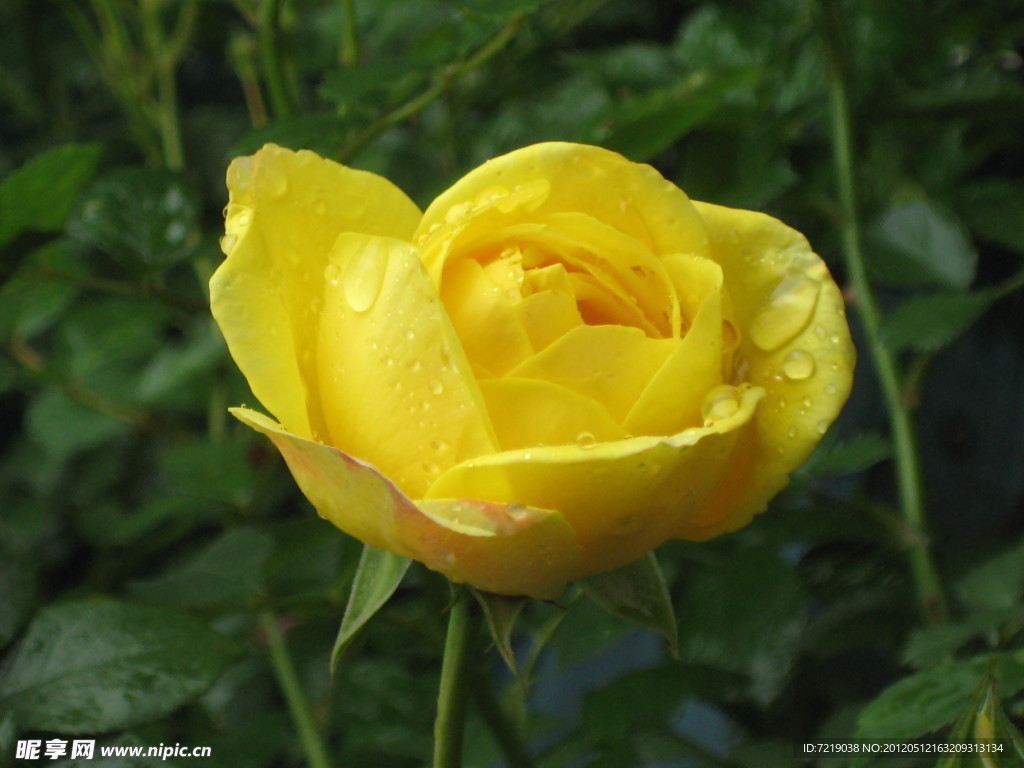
[
  {"x": 929, "y": 700},
  {"x": 377, "y": 577},
  {"x": 921, "y": 244},
  {"x": 87, "y": 667},
  {"x": 642, "y": 127},
  {"x": 17, "y": 593},
  {"x": 745, "y": 614},
  {"x": 39, "y": 194},
  {"x": 849, "y": 456},
  {"x": 217, "y": 471},
  {"x": 65, "y": 427},
  {"x": 997, "y": 584},
  {"x": 992, "y": 209},
  {"x": 501, "y": 613},
  {"x": 636, "y": 593},
  {"x": 928, "y": 323},
  {"x": 226, "y": 572},
  {"x": 145, "y": 219}
]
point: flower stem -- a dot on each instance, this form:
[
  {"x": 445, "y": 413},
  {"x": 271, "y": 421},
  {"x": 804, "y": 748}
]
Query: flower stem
[
  {"x": 298, "y": 707},
  {"x": 454, "y": 688},
  {"x": 278, "y": 86},
  {"x": 442, "y": 83},
  {"x": 349, "y": 50},
  {"x": 926, "y": 580}
]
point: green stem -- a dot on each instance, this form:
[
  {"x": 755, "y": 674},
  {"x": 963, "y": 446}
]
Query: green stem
[
  {"x": 928, "y": 586},
  {"x": 506, "y": 733},
  {"x": 273, "y": 66},
  {"x": 298, "y": 707},
  {"x": 453, "y": 690},
  {"x": 165, "y": 53},
  {"x": 349, "y": 44},
  {"x": 441, "y": 85}
]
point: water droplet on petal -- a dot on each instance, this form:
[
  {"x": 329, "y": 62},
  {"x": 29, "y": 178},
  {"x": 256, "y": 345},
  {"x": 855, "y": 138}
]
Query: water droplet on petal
[
  {"x": 436, "y": 387},
  {"x": 438, "y": 445},
  {"x": 830, "y": 389},
  {"x": 720, "y": 403},
  {"x": 785, "y": 312},
  {"x": 332, "y": 273},
  {"x": 822, "y": 426},
  {"x": 227, "y": 244},
  {"x": 364, "y": 276},
  {"x": 798, "y": 365},
  {"x": 791, "y": 432},
  {"x": 586, "y": 440},
  {"x": 516, "y": 511}
]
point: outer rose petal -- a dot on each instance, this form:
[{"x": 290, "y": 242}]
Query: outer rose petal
[
  {"x": 395, "y": 386},
  {"x": 577, "y": 178},
  {"x": 502, "y": 548},
  {"x": 286, "y": 210},
  {"x": 624, "y": 498},
  {"x": 795, "y": 343}
]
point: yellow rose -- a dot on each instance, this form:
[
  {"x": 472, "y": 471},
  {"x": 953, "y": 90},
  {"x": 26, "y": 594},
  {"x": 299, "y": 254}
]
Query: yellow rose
[{"x": 561, "y": 364}]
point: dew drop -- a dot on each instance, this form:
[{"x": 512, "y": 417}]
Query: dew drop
[
  {"x": 332, "y": 273},
  {"x": 586, "y": 440},
  {"x": 785, "y": 312},
  {"x": 517, "y": 512},
  {"x": 822, "y": 426},
  {"x": 364, "y": 276},
  {"x": 791, "y": 431},
  {"x": 227, "y": 244},
  {"x": 798, "y": 365},
  {"x": 436, "y": 387},
  {"x": 720, "y": 403},
  {"x": 431, "y": 468},
  {"x": 438, "y": 445},
  {"x": 830, "y": 389}
]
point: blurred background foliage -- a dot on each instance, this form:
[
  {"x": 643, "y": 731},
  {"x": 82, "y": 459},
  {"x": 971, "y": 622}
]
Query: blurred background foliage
[{"x": 154, "y": 558}]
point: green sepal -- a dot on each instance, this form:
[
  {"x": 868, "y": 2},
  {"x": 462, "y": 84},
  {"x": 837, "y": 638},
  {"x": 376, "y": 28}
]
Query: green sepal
[
  {"x": 377, "y": 577},
  {"x": 638, "y": 594},
  {"x": 501, "y": 613}
]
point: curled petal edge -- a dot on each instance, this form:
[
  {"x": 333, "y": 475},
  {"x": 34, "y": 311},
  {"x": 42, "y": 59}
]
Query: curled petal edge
[{"x": 504, "y": 548}]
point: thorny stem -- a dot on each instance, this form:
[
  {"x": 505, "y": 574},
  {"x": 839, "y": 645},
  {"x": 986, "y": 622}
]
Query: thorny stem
[{"x": 928, "y": 586}]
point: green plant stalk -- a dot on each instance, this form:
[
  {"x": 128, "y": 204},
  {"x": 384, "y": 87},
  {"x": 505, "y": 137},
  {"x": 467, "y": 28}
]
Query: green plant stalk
[
  {"x": 454, "y": 688},
  {"x": 166, "y": 53},
  {"x": 926, "y": 580},
  {"x": 298, "y": 707},
  {"x": 281, "y": 97},
  {"x": 349, "y": 51},
  {"x": 507, "y": 734},
  {"x": 441, "y": 85}
]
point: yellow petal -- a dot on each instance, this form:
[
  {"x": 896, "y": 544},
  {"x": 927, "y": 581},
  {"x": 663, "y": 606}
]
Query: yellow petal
[
  {"x": 286, "y": 210},
  {"x": 396, "y": 388},
  {"x": 794, "y": 343},
  {"x": 623, "y": 498},
  {"x": 507, "y": 549},
  {"x": 609, "y": 364},
  {"x": 527, "y": 412},
  {"x": 625, "y": 270},
  {"x": 673, "y": 398},
  {"x": 485, "y": 319},
  {"x": 556, "y": 177},
  {"x": 548, "y": 315}
]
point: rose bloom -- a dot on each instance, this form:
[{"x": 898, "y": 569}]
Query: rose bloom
[{"x": 561, "y": 364}]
